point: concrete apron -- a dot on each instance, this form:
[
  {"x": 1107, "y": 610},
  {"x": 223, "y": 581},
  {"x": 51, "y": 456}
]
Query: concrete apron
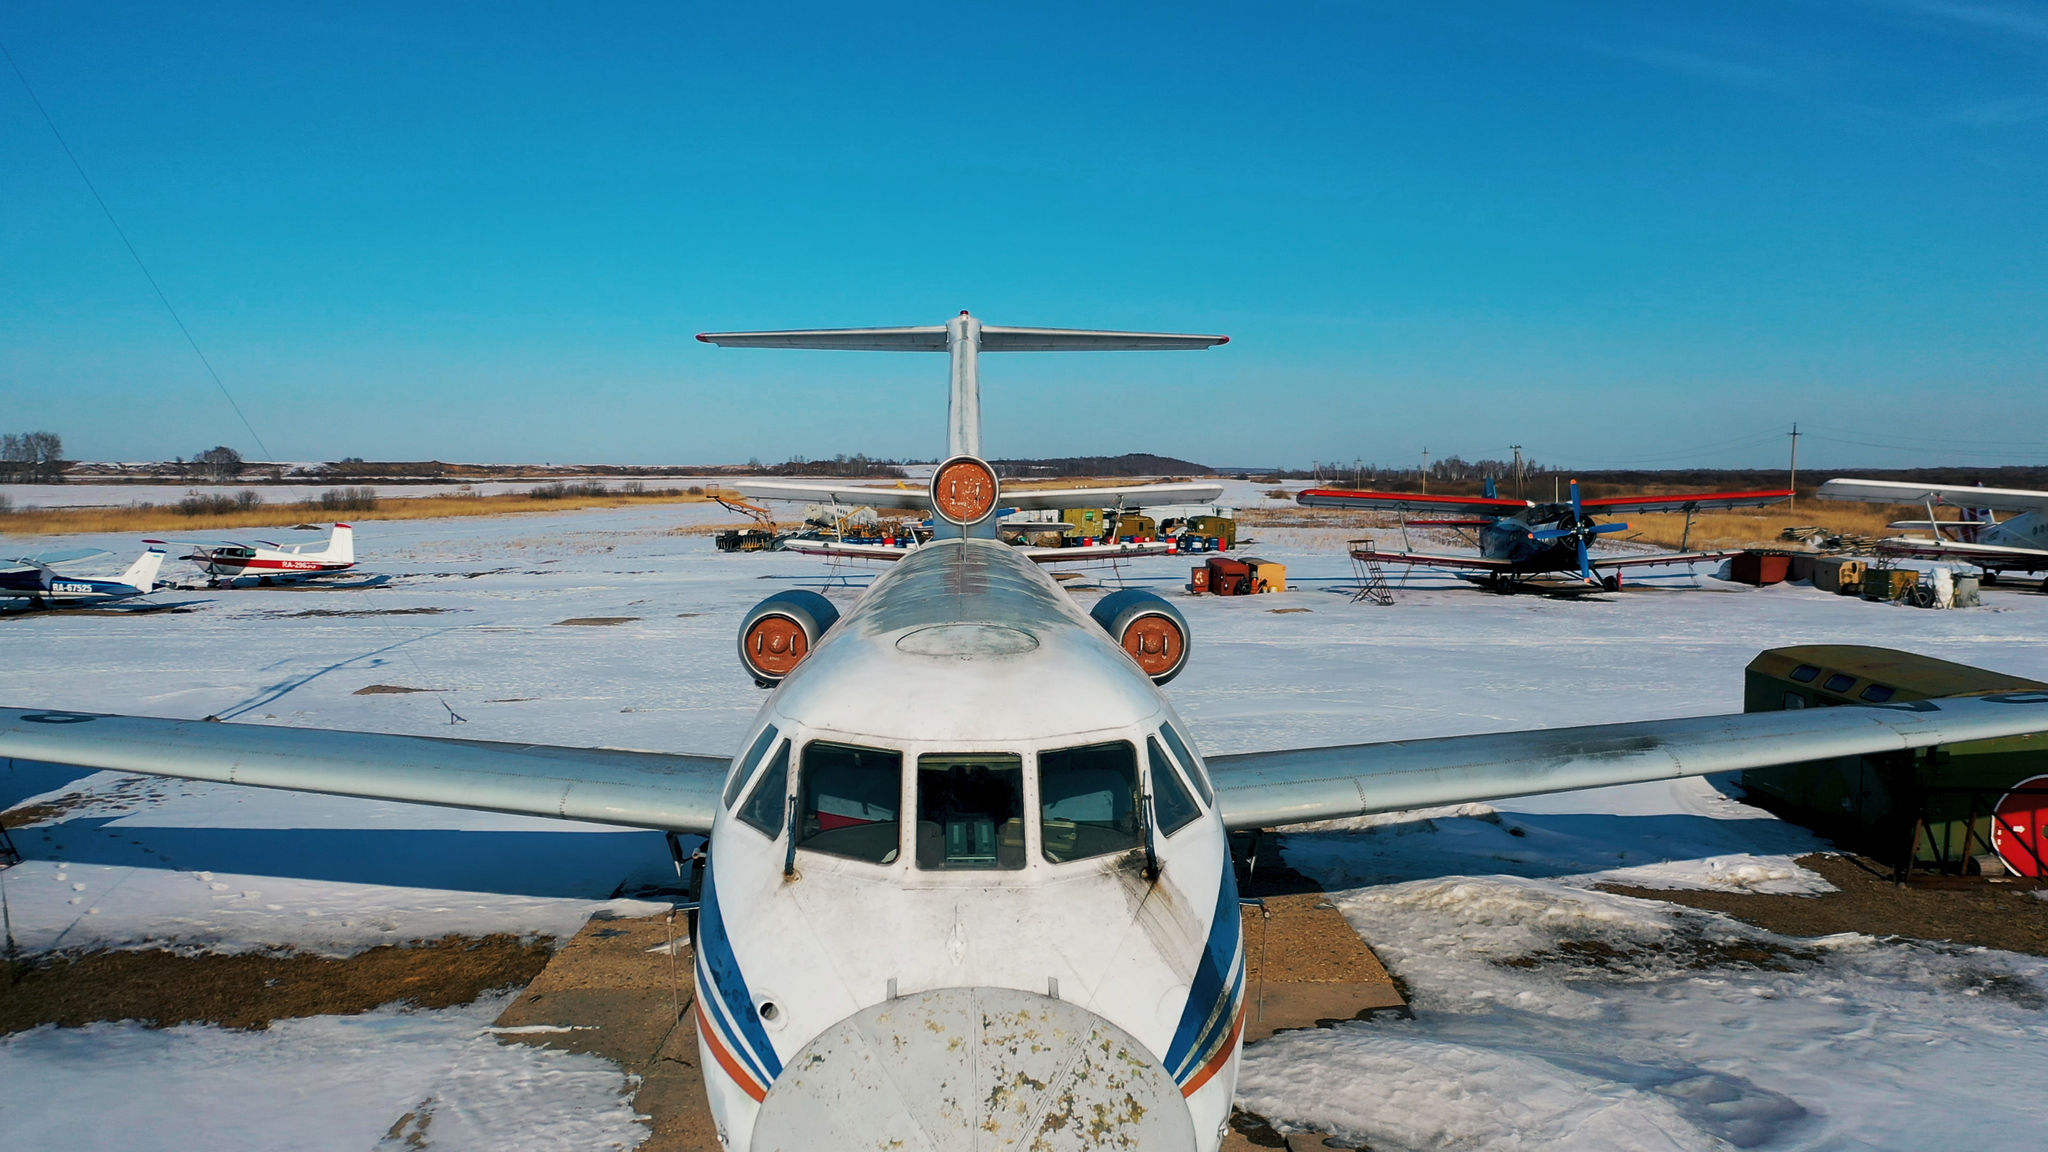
[{"x": 624, "y": 997}]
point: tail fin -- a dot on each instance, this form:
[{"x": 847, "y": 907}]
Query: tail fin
[
  {"x": 142, "y": 573},
  {"x": 341, "y": 547},
  {"x": 1491, "y": 494}
]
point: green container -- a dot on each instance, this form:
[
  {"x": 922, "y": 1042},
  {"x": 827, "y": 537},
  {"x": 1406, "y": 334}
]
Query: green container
[{"x": 1895, "y": 804}]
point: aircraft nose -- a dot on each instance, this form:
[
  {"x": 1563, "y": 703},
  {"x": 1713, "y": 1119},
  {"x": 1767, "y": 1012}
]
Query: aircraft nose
[{"x": 981, "y": 1069}]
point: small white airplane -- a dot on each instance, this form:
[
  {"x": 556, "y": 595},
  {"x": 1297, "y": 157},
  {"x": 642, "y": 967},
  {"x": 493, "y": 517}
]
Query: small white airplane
[
  {"x": 968, "y": 882},
  {"x": 36, "y": 579},
  {"x": 227, "y": 559},
  {"x": 2018, "y": 544}
]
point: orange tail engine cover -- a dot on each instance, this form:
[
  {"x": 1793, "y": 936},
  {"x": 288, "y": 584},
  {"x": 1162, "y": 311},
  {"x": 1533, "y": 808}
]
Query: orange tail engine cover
[
  {"x": 1148, "y": 628},
  {"x": 777, "y": 633}
]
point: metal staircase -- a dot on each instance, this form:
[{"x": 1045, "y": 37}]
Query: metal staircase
[{"x": 1372, "y": 581}]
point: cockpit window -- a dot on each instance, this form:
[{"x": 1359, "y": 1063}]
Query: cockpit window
[
  {"x": 769, "y": 802},
  {"x": 1088, "y": 801},
  {"x": 849, "y": 803},
  {"x": 970, "y": 811},
  {"x": 1171, "y": 804},
  {"x": 745, "y": 767},
  {"x": 1188, "y": 764}
]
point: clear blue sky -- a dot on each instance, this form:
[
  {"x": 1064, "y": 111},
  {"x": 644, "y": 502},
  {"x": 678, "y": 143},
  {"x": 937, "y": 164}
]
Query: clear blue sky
[{"x": 1649, "y": 234}]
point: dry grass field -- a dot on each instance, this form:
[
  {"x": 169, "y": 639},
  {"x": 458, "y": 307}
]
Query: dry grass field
[{"x": 168, "y": 518}]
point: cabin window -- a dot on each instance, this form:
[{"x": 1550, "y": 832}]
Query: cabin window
[
  {"x": 970, "y": 811},
  {"x": 849, "y": 802},
  {"x": 1839, "y": 682},
  {"x": 1088, "y": 801},
  {"x": 1805, "y": 673},
  {"x": 1188, "y": 763},
  {"x": 769, "y": 802},
  {"x": 1877, "y": 693},
  {"x": 1171, "y": 804},
  {"x": 745, "y": 768},
  {"x": 1794, "y": 701}
]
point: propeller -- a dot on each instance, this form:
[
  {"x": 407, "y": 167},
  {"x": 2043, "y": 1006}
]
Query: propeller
[{"x": 1580, "y": 528}]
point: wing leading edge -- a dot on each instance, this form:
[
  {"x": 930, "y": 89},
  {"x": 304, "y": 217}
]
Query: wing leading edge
[
  {"x": 1269, "y": 789},
  {"x": 671, "y": 793}
]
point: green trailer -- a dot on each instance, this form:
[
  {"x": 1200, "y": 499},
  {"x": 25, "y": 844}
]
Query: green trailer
[{"x": 1945, "y": 809}]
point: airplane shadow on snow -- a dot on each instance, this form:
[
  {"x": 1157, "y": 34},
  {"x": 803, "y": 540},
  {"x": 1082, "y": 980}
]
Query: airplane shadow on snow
[
  {"x": 1549, "y": 844},
  {"x": 572, "y": 865}
]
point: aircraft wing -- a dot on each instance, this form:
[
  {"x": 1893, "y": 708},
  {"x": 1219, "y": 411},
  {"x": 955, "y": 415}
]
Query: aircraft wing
[
  {"x": 849, "y": 551},
  {"x": 1990, "y": 555},
  {"x": 1098, "y": 551},
  {"x": 57, "y": 556},
  {"x": 1405, "y": 501},
  {"x": 1270, "y": 789},
  {"x": 672, "y": 793},
  {"x": 1958, "y": 495},
  {"x": 852, "y": 494},
  {"x": 1425, "y": 560},
  {"x": 1687, "y": 502},
  {"x": 1124, "y": 496},
  {"x": 1655, "y": 559}
]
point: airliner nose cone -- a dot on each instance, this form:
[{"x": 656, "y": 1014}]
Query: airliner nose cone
[{"x": 980, "y": 1069}]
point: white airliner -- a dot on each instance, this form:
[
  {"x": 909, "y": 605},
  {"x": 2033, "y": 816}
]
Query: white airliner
[
  {"x": 227, "y": 559},
  {"x": 2018, "y": 544},
  {"x": 968, "y": 882}
]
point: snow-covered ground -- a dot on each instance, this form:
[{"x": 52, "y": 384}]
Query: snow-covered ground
[{"x": 1855, "y": 1043}]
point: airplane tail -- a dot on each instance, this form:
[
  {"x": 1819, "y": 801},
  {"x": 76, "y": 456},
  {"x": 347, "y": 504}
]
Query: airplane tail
[
  {"x": 341, "y": 547},
  {"x": 964, "y": 338},
  {"x": 142, "y": 573}
]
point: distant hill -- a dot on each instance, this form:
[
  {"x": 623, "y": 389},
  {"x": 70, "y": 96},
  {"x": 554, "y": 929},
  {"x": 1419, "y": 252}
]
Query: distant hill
[{"x": 1129, "y": 464}]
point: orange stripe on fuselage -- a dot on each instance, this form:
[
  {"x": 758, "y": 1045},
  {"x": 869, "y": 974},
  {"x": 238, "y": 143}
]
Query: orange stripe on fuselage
[
  {"x": 1221, "y": 1057},
  {"x": 726, "y": 1060}
]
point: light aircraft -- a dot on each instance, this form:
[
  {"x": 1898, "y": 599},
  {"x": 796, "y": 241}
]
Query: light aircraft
[
  {"x": 968, "y": 883},
  {"x": 36, "y": 579},
  {"x": 1523, "y": 544},
  {"x": 227, "y": 559},
  {"x": 2018, "y": 544}
]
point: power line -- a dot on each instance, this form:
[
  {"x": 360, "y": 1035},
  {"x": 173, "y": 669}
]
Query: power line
[{"x": 118, "y": 231}]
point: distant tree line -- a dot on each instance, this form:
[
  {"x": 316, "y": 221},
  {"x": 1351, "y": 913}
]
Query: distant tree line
[{"x": 31, "y": 458}]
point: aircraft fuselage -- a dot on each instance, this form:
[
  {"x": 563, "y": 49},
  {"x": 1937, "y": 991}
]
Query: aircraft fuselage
[{"x": 988, "y": 823}]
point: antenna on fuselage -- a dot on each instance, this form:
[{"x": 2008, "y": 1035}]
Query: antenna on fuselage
[{"x": 964, "y": 338}]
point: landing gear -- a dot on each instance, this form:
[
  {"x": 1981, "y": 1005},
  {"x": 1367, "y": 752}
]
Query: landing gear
[
  {"x": 1989, "y": 578},
  {"x": 1611, "y": 583}
]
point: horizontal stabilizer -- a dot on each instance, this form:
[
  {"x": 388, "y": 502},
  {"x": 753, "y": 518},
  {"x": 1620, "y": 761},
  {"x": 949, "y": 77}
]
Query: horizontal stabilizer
[
  {"x": 849, "y": 494},
  {"x": 924, "y": 338},
  {"x": 932, "y": 338},
  {"x": 999, "y": 339}
]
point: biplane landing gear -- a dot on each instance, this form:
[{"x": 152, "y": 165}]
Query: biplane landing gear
[{"x": 1611, "y": 583}]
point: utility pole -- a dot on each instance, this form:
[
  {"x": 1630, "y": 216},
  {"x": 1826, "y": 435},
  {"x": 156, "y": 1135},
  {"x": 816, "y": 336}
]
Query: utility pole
[
  {"x": 1425, "y": 468},
  {"x": 1518, "y": 470},
  {"x": 1794, "y": 485}
]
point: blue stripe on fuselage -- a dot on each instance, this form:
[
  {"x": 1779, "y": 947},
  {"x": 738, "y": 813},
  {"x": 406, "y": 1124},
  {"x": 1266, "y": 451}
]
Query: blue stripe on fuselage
[
  {"x": 1216, "y": 982},
  {"x": 736, "y": 1004}
]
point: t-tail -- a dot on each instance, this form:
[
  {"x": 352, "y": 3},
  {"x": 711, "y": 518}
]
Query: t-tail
[
  {"x": 964, "y": 339},
  {"x": 142, "y": 574}
]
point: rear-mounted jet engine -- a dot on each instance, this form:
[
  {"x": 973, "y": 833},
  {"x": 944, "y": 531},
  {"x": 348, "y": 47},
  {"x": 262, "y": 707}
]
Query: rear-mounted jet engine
[
  {"x": 777, "y": 633},
  {"x": 1148, "y": 628}
]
